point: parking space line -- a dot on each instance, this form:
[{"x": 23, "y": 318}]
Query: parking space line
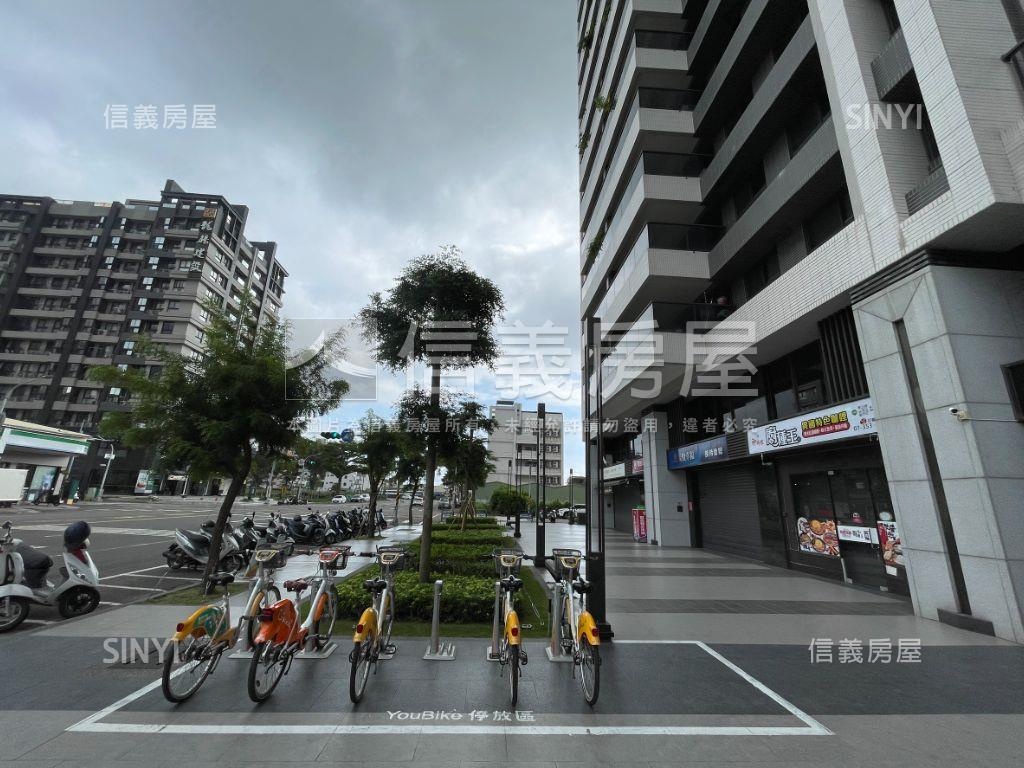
[
  {"x": 811, "y": 727},
  {"x": 136, "y": 589}
]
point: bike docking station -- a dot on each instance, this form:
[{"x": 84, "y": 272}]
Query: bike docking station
[
  {"x": 554, "y": 651},
  {"x": 493, "y": 650},
  {"x": 438, "y": 651},
  {"x": 308, "y": 655}
]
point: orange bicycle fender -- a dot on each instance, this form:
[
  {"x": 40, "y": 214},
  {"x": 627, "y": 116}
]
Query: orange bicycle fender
[
  {"x": 513, "y": 631},
  {"x": 367, "y": 624},
  {"x": 588, "y": 628}
]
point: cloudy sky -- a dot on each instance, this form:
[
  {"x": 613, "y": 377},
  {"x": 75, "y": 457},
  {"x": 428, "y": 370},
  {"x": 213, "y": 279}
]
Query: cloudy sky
[{"x": 360, "y": 133}]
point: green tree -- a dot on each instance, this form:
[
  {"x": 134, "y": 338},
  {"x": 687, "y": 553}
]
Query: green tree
[
  {"x": 464, "y": 451},
  {"x": 435, "y": 298},
  {"x": 508, "y": 502},
  {"x": 375, "y": 454},
  {"x": 213, "y": 412}
]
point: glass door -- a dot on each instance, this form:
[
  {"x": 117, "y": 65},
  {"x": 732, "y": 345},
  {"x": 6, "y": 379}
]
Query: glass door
[{"x": 856, "y": 526}]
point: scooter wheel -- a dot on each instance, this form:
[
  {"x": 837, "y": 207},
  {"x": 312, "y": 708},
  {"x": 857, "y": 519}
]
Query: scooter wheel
[
  {"x": 78, "y": 601},
  {"x": 330, "y": 538},
  {"x": 15, "y": 613}
]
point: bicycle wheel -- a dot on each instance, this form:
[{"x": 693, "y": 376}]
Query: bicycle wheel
[
  {"x": 324, "y": 626},
  {"x": 361, "y": 661},
  {"x": 513, "y": 673},
  {"x": 590, "y": 671},
  {"x": 187, "y": 664},
  {"x": 265, "y": 670},
  {"x": 388, "y": 621},
  {"x": 252, "y": 625}
]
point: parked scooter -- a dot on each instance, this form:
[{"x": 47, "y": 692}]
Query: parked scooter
[
  {"x": 191, "y": 549},
  {"x": 311, "y": 530},
  {"x": 24, "y": 569}
]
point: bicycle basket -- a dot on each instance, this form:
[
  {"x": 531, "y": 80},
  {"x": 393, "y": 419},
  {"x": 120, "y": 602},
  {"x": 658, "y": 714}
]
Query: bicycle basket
[
  {"x": 393, "y": 558},
  {"x": 566, "y": 563},
  {"x": 334, "y": 558},
  {"x": 271, "y": 558},
  {"x": 507, "y": 562}
]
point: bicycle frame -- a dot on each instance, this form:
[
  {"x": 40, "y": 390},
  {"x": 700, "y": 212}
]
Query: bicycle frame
[
  {"x": 263, "y": 580},
  {"x": 369, "y": 621},
  {"x": 280, "y": 622},
  {"x": 212, "y": 620},
  {"x": 581, "y": 622},
  {"x": 512, "y": 630}
]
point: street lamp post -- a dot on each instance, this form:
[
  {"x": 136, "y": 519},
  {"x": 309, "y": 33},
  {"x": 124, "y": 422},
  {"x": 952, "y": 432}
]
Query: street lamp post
[
  {"x": 542, "y": 444},
  {"x": 519, "y": 464},
  {"x": 571, "y": 511},
  {"x": 110, "y": 460}
]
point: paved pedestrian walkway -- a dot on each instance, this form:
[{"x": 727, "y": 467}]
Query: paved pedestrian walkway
[{"x": 710, "y": 666}]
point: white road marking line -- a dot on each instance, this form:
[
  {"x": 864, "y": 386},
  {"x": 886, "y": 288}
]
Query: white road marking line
[
  {"x": 102, "y": 530},
  {"x": 106, "y": 602},
  {"x": 134, "y": 589},
  {"x": 134, "y": 573},
  {"x": 37, "y": 621},
  {"x": 152, "y": 576},
  {"x": 91, "y": 724}
]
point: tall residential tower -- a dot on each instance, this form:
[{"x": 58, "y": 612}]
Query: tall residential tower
[{"x": 811, "y": 211}]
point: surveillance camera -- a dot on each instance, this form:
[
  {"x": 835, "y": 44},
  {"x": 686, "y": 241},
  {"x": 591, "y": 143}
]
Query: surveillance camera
[{"x": 954, "y": 410}]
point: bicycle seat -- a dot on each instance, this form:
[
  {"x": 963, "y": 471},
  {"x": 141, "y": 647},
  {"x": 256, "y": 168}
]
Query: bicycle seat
[
  {"x": 296, "y": 585},
  {"x": 511, "y": 583},
  {"x": 374, "y": 585},
  {"x": 222, "y": 579}
]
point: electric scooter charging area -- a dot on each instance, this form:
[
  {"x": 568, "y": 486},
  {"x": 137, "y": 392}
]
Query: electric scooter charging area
[{"x": 667, "y": 690}]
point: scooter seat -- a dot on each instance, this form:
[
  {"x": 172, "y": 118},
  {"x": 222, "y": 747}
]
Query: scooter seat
[
  {"x": 33, "y": 558},
  {"x": 222, "y": 579},
  {"x": 198, "y": 540}
]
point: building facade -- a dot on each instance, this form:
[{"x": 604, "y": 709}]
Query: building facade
[
  {"x": 801, "y": 268},
  {"x": 513, "y": 446},
  {"x": 80, "y": 282}
]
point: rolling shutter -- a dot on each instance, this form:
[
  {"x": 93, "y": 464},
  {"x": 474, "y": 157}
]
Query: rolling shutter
[{"x": 728, "y": 511}]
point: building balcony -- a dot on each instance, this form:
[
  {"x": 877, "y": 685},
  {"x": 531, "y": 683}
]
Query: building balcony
[
  {"x": 892, "y": 68},
  {"x": 933, "y": 187},
  {"x": 666, "y": 262},
  {"x": 659, "y": 189},
  {"x": 814, "y": 173},
  {"x": 642, "y": 67}
]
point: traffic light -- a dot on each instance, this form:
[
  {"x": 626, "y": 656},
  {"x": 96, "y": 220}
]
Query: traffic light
[{"x": 346, "y": 435}]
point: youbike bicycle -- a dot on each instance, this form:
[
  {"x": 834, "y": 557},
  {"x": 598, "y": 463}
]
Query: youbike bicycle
[
  {"x": 578, "y": 634},
  {"x": 281, "y": 635},
  {"x": 263, "y": 592},
  {"x": 372, "y": 638},
  {"x": 511, "y": 654},
  {"x": 198, "y": 644}
]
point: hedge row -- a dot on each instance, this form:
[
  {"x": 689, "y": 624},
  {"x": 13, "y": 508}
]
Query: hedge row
[
  {"x": 463, "y": 599},
  {"x": 492, "y": 536}
]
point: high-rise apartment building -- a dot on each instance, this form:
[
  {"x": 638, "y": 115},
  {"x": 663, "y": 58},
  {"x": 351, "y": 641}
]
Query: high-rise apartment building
[
  {"x": 513, "y": 446},
  {"x": 801, "y": 227},
  {"x": 80, "y": 282}
]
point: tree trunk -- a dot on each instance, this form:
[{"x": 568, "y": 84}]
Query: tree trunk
[
  {"x": 371, "y": 514},
  {"x": 428, "y": 487},
  {"x": 415, "y": 487},
  {"x": 213, "y": 561}
]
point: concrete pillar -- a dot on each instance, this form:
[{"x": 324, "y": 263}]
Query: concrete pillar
[
  {"x": 665, "y": 493},
  {"x": 955, "y": 326}
]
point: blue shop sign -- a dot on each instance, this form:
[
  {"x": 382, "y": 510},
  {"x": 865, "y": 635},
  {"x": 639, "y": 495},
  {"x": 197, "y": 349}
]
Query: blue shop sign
[{"x": 706, "y": 452}]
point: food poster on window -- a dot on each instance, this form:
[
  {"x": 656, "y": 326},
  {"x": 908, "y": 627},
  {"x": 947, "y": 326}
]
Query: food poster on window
[
  {"x": 817, "y": 534},
  {"x": 892, "y": 546}
]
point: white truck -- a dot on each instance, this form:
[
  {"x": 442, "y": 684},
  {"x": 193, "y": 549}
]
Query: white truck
[{"x": 12, "y": 482}]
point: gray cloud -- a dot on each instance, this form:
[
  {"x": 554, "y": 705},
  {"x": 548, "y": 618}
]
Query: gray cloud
[{"x": 359, "y": 133}]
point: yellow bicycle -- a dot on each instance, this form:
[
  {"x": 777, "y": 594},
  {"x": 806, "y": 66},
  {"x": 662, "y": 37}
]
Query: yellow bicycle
[{"x": 372, "y": 638}]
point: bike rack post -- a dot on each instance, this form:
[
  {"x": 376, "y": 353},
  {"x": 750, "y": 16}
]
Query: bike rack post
[
  {"x": 493, "y": 653},
  {"x": 437, "y": 651},
  {"x": 554, "y": 649}
]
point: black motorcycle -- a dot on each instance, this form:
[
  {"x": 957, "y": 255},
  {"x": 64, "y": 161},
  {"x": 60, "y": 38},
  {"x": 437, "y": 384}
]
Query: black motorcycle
[{"x": 311, "y": 529}]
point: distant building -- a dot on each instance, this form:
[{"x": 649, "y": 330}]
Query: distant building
[
  {"x": 513, "y": 446},
  {"x": 80, "y": 282},
  {"x": 352, "y": 482}
]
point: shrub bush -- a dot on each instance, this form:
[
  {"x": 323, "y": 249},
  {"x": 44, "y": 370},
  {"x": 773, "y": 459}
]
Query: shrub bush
[
  {"x": 464, "y": 598},
  {"x": 491, "y": 535}
]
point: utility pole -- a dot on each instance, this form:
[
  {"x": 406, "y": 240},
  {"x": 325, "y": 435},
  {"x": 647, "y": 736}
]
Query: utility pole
[
  {"x": 542, "y": 476},
  {"x": 110, "y": 460}
]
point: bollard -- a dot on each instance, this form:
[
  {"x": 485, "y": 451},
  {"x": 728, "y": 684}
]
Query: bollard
[
  {"x": 554, "y": 649},
  {"x": 436, "y": 651},
  {"x": 493, "y": 653}
]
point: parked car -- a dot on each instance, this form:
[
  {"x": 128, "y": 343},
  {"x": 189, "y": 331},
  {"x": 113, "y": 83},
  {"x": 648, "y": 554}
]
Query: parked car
[
  {"x": 363, "y": 498},
  {"x": 339, "y": 499}
]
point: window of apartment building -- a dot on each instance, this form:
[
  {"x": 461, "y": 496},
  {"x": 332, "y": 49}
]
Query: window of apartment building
[
  {"x": 761, "y": 274},
  {"x": 749, "y": 188},
  {"x": 828, "y": 220},
  {"x": 134, "y": 326},
  {"x": 158, "y": 243},
  {"x": 172, "y": 304},
  {"x": 892, "y": 19},
  {"x": 179, "y": 285},
  {"x": 127, "y": 347},
  {"x": 147, "y": 283},
  {"x": 167, "y": 327}
]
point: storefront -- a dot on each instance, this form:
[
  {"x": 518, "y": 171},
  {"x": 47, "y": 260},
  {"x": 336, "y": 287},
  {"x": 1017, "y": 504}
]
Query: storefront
[
  {"x": 46, "y": 453},
  {"x": 623, "y": 490},
  {"x": 836, "y": 515},
  {"x": 723, "y": 496}
]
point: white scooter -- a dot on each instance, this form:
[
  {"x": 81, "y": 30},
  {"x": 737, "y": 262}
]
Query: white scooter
[{"x": 23, "y": 580}]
